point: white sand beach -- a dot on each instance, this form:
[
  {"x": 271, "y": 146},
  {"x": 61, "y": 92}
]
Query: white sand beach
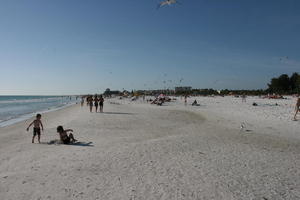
[{"x": 140, "y": 151}]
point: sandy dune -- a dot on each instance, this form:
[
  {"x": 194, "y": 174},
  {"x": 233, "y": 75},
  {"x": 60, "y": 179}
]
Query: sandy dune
[{"x": 141, "y": 151}]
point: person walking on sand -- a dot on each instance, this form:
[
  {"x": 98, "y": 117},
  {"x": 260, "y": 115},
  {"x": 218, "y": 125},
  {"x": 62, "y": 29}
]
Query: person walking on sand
[
  {"x": 297, "y": 107},
  {"x": 37, "y": 124},
  {"x": 96, "y": 103},
  {"x": 101, "y": 102},
  {"x": 91, "y": 103}
]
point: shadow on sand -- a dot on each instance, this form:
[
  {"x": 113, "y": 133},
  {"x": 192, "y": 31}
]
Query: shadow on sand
[
  {"x": 82, "y": 144},
  {"x": 118, "y": 113}
]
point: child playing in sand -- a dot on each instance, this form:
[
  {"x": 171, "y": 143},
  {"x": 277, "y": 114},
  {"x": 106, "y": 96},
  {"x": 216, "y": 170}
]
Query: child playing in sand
[
  {"x": 297, "y": 108},
  {"x": 64, "y": 137},
  {"x": 37, "y": 123}
]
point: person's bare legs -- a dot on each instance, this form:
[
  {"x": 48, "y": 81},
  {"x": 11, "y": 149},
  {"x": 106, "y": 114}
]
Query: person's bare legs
[
  {"x": 91, "y": 108},
  {"x": 297, "y": 110},
  {"x": 71, "y": 136},
  {"x": 101, "y": 108},
  {"x": 33, "y": 139},
  {"x": 96, "y": 108},
  {"x": 39, "y": 137}
]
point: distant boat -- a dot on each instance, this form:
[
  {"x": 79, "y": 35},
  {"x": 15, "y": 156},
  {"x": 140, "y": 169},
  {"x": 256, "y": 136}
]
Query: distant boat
[{"x": 167, "y": 2}]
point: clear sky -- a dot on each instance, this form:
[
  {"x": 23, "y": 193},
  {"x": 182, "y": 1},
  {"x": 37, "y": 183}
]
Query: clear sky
[{"x": 86, "y": 46}]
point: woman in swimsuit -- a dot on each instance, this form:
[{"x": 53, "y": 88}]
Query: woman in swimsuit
[
  {"x": 101, "y": 100},
  {"x": 87, "y": 100},
  {"x": 96, "y": 100},
  {"x": 91, "y": 103},
  {"x": 64, "y": 137}
]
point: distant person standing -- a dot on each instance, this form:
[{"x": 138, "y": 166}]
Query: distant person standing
[
  {"x": 297, "y": 107},
  {"x": 82, "y": 101},
  {"x": 96, "y": 103},
  {"x": 243, "y": 98},
  {"x": 101, "y": 102},
  {"x": 87, "y": 100},
  {"x": 185, "y": 99}
]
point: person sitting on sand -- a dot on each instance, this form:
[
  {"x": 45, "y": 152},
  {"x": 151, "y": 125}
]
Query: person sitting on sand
[
  {"x": 37, "y": 123},
  {"x": 195, "y": 103},
  {"x": 64, "y": 137},
  {"x": 160, "y": 102},
  {"x": 297, "y": 108}
]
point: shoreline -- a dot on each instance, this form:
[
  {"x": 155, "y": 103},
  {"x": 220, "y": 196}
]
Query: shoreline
[{"x": 27, "y": 116}]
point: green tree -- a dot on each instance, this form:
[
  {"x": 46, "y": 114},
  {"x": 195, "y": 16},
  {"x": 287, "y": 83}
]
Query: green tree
[{"x": 280, "y": 85}]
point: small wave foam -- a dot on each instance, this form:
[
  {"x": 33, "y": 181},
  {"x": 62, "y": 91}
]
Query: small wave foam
[
  {"x": 14, "y": 101},
  {"x": 13, "y": 120},
  {"x": 12, "y": 111}
]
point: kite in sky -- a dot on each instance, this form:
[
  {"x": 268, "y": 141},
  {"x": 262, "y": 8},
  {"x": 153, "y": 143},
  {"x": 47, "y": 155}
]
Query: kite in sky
[{"x": 167, "y": 2}]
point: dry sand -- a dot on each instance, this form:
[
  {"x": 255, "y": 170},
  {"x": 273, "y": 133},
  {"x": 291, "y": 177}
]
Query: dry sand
[{"x": 141, "y": 151}]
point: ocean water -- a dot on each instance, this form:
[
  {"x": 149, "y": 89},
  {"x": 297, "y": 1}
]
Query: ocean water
[{"x": 17, "y": 108}]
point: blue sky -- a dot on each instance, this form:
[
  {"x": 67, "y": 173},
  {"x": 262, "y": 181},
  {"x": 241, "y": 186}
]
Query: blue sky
[{"x": 86, "y": 46}]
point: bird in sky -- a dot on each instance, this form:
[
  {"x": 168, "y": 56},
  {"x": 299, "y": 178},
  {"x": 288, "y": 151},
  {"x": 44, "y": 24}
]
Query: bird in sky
[
  {"x": 167, "y": 2},
  {"x": 216, "y": 81},
  {"x": 283, "y": 58}
]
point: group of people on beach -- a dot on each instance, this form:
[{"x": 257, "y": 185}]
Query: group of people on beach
[
  {"x": 96, "y": 101},
  {"x": 65, "y": 138}
]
